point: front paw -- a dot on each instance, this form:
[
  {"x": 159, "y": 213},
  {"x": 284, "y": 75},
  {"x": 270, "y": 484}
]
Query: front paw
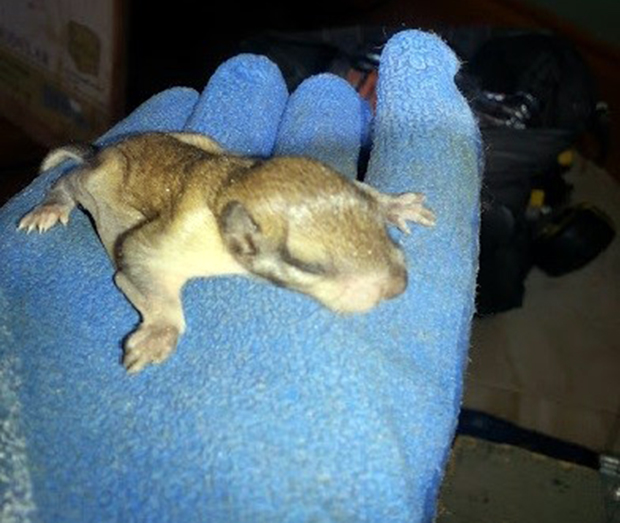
[
  {"x": 149, "y": 344},
  {"x": 409, "y": 207},
  {"x": 44, "y": 217}
]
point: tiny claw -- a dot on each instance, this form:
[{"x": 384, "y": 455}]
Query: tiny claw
[
  {"x": 44, "y": 217},
  {"x": 409, "y": 207},
  {"x": 401, "y": 225}
]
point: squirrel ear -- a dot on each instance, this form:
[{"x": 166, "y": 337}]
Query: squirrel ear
[{"x": 239, "y": 230}]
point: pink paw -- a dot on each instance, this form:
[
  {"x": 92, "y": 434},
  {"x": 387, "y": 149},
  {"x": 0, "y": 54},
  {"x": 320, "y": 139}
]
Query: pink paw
[
  {"x": 44, "y": 217},
  {"x": 149, "y": 344},
  {"x": 409, "y": 207}
]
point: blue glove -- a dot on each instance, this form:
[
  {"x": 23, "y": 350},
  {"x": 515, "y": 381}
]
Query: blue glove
[{"x": 272, "y": 408}]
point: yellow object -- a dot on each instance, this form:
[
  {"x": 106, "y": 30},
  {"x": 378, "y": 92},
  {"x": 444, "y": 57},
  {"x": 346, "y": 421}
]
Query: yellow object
[
  {"x": 537, "y": 198},
  {"x": 565, "y": 159}
]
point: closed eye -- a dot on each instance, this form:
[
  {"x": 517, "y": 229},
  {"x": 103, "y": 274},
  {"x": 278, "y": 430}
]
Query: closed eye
[{"x": 317, "y": 269}]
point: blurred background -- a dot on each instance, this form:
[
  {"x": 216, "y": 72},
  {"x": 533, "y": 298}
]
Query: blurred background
[{"x": 540, "y": 427}]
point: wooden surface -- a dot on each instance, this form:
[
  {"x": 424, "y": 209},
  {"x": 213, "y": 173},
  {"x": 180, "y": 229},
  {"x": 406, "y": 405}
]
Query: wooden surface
[{"x": 487, "y": 482}]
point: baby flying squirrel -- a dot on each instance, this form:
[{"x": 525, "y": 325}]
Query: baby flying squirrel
[{"x": 173, "y": 206}]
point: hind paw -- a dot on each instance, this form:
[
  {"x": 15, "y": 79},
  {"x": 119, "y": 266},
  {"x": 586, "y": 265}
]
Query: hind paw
[
  {"x": 44, "y": 217},
  {"x": 149, "y": 344}
]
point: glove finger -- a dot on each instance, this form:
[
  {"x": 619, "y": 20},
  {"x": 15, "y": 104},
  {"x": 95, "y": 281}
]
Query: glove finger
[
  {"x": 242, "y": 104},
  {"x": 425, "y": 133},
  {"x": 165, "y": 111},
  {"x": 426, "y": 139},
  {"x": 325, "y": 119}
]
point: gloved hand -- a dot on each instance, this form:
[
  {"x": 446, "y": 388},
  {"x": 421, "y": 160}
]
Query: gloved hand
[{"x": 272, "y": 408}]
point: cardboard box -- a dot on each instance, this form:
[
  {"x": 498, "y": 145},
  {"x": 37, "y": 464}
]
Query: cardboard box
[{"x": 62, "y": 67}]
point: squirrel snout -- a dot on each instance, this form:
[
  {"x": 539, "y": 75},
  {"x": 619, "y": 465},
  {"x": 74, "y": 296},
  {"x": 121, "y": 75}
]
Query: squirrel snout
[
  {"x": 361, "y": 293},
  {"x": 395, "y": 284}
]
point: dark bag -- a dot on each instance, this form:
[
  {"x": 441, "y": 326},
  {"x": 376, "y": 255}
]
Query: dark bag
[{"x": 533, "y": 96}]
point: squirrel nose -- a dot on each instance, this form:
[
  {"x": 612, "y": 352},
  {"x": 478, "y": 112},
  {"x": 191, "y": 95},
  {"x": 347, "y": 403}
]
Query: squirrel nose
[{"x": 396, "y": 283}]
